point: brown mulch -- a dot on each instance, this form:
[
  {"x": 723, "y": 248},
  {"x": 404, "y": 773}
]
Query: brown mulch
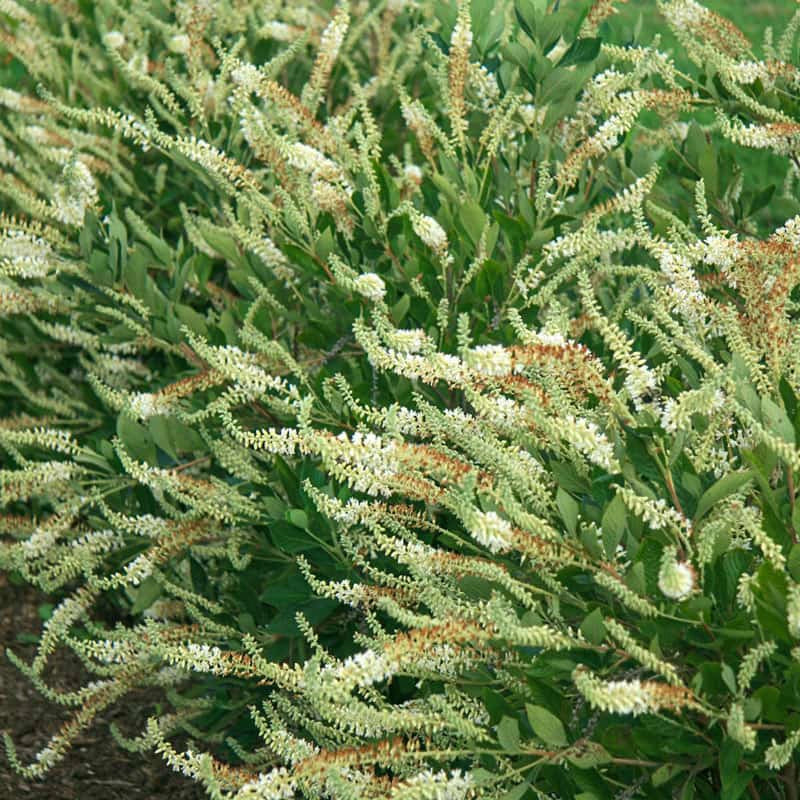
[{"x": 96, "y": 768}]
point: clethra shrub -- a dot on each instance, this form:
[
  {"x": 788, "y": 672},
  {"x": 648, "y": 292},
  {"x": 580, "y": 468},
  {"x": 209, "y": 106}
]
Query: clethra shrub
[{"x": 409, "y": 390}]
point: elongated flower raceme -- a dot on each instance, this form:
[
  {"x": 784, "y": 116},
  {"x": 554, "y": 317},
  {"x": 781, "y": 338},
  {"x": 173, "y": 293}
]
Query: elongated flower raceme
[
  {"x": 632, "y": 697},
  {"x": 491, "y": 530}
]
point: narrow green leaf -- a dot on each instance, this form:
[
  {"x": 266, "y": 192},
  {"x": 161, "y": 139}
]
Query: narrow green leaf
[{"x": 725, "y": 486}]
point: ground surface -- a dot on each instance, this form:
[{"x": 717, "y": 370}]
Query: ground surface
[{"x": 96, "y": 768}]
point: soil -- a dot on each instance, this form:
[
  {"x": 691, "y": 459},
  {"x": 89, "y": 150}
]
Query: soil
[{"x": 96, "y": 768}]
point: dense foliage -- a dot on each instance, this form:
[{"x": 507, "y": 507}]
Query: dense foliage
[{"x": 415, "y": 385}]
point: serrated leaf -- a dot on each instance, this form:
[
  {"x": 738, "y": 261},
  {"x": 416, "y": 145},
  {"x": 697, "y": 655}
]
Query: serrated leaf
[{"x": 547, "y": 726}]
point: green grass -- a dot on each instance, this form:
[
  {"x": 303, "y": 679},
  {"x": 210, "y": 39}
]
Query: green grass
[{"x": 751, "y": 17}]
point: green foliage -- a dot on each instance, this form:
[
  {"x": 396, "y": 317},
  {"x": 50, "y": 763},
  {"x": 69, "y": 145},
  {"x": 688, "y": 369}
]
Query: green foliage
[{"x": 418, "y": 384}]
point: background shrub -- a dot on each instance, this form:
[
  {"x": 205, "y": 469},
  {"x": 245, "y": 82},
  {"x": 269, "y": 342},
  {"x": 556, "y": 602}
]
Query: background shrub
[{"x": 419, "y": 384}]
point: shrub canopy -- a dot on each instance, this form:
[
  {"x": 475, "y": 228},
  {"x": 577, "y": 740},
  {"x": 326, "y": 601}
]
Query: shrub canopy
[{"x": 419, "y": 384}]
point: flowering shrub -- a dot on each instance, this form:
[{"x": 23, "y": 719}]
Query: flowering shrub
[{"x": 418, "y": 383}]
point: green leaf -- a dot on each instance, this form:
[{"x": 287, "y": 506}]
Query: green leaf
[
  {"x": 593, "y": 628},
  {"x": 777, "y": 420},
  {"x": 562, "y": 84},
  {"x": 224, "y": 244},
  {"x": 400, "y": 308},
  {"x": 613, "y": 524},
  {"x": 173, "y": 437},
  {"x": 580, "y": 51},
  {"x": 568, "y": 508},
  {"x": 725, "y": 486},
  {"x": 473, "y": 219},
  {"x": 118, "y": 244},
  {"x": 516, "y": 793},
  {"x": 315, "y": 611},
  {"x": 527, "y": 12},
  {"x": 290, "y": 538},
  {"x": 298, "y": 518},
  {"x": 146, "y": 595},
  {"x": 730, "y": 754},
  {"x": 703, "y": 156},
  {"x": 508, "y": 734},
  {"x": 480, "y": 776},
  {"x": 761, "y": 199},
  {"x": 546, "y": 726},
  {"x": 793, "y": 562},
  {"x": 728, "y": 677},
  {"x": 194, "y": 321},
  {"x": 136, "y": 439},
  {"x": 666, "y": 772},
  {"x": 325, "y": 244}
]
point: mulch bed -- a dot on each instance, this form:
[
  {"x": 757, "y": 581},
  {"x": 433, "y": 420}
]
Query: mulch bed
[{"x": 96, "y": 768}]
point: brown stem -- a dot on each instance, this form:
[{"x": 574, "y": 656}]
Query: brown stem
[
  {"x": 672, "y": 493},
  {"x": 188, "y": 464}
]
